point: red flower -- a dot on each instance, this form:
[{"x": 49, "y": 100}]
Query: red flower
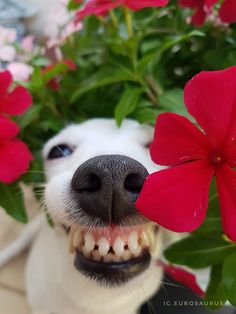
[
  {"x": 182, "y": 276},
  {"x": 177, "y": 197},
  {"x": 14, "y": 154},
  {"x": 12, "y": 102},
  {"x": 101, "y": 7},
  {"x": 227, "y": 11}
]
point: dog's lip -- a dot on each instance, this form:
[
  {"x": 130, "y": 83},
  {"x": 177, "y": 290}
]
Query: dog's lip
[{"x": 112, "y": 272}]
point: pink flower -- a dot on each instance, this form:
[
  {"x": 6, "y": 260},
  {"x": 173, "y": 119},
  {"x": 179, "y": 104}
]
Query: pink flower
[
  {"x": 14, "y": 154},
  {"x": 12, "y": 101},
  {"x": 7, "y": 36},
  {"x": 202, "y": 8},
  {"x": 177, "y": 198},
  {"x": 20, "y": 71},
  {"x": 101, "y": 7},
  {"x": 27, "y": 43},
  {"x": 7, "y": 53}
]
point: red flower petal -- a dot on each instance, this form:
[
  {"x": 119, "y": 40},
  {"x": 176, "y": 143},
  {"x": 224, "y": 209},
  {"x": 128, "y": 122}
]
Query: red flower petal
[
  {"x": 198, "y": 17},
  {"x": 177, "y": 140},
  {"x": 184, "y": 277},
  {"x": 8, "y": 129},
  {"x": 226, "y": 184},
  {"x": 14, "y": 160},
  {"x": 98, "y": 7},
  {"x": 191, "y": 3},
  {"x": 210, "y": 98},
  {"x": 138, "y": 5},
  {"x": 71, "y": 65},
  {"x": 5, "y": 82},
  {"x": 18, "y": 101},
  {"x": 177, "y": 198},
  {"x": 227, "y": 11}
]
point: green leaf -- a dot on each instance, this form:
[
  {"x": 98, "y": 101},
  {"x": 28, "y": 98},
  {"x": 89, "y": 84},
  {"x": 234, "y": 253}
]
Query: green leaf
[
  {"x": 146, "y": 115},
  {"x": 199, "y": 251},
  {"x": 170, "y": 42},
  {"x": 102, "y": 78},
  {"x": 127, "y": 103},
  {"x": 229, "y": 278},
  {"x": 215, "y": 294},
  {"x": 172, "y": 100},
  {"x": 31, "y": 114},
  {"x": 11, "y": 201}
]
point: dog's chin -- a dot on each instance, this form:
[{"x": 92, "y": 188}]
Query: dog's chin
[{"x": 112, "y": 255}]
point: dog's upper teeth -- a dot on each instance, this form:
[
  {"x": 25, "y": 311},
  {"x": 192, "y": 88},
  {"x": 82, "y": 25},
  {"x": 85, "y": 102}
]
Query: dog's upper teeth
[
  {"x": 123, "y": 246},
  {"x": 103, "y": 246},
  {"x": 89, "y": 242},
  {"x": 133, "y": 242},
  {"x": 118, "y": 246}
]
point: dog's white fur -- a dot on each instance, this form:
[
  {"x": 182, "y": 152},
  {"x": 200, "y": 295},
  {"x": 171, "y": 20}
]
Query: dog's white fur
[{"x": 53, "y": 283}]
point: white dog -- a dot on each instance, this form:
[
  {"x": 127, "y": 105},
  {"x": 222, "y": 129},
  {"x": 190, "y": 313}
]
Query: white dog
[{"x": 101, "y": 255}]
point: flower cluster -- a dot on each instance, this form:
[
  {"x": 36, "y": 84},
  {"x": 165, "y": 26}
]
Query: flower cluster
[
  {"x": 177, "y": 197},
  {"x": 203, "y": 8},
  {"x": 14, "y": 154}
]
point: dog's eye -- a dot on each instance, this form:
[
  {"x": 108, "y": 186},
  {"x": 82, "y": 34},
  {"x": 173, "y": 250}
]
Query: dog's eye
[{"x": 60, "y": 151}]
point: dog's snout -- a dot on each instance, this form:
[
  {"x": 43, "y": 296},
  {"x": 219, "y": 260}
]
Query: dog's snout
[{"x": 107, "y": 186}]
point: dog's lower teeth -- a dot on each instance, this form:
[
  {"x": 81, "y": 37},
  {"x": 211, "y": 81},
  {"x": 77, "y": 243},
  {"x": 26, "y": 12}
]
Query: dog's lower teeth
[
  {"x": 108, "y": 258},
  {"x": 124, "y": 247},
  {"x": 96, "y": 256},
  {"x": 127, "y": 255}
]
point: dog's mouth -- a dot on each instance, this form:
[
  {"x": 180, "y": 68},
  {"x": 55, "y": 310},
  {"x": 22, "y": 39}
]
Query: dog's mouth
[{"x": 112, "y": 255}]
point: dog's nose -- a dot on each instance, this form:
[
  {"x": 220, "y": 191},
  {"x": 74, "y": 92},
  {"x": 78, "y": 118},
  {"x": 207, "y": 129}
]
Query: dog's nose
[{"x": 107, "y": 186}]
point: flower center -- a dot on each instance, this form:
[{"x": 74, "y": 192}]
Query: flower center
[{"x": 217, "y": 159}]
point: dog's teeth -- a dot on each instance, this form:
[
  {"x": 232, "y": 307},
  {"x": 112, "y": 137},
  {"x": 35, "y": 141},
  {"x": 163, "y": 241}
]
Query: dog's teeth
[
  {"x": 96, "y": 256},
  {"x": 133, "y": 242},
  {"x": 85, "y": 252},
  {"x": 127, "y": 255},
  {"x": 89, "y": 242},
  {"x": 116, "y": 258},
  {"x": 108, "y": 258},
  {"x": 137, "y": 252},
  {"x": 144, "y": 239},
  {"x": 103, "y": 246},
  {"x": 77, "y": 239},
  {"x": 118, "y": 246}
]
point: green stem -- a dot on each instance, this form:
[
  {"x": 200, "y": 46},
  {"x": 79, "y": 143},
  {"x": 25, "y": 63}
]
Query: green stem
[
  {"x": 113, "y": 19},
  {"x": 128, "y": 20}
]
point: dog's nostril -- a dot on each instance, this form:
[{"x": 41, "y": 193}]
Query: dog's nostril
[
  {"x": 133, "y": 183},
  {"x": 91, "y": 183}
]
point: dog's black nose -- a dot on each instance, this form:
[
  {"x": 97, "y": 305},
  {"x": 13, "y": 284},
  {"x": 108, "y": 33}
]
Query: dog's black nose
[{"x": 107, "y": 186}]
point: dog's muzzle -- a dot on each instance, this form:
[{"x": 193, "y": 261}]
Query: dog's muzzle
[{"x": 105, "y": 189}]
